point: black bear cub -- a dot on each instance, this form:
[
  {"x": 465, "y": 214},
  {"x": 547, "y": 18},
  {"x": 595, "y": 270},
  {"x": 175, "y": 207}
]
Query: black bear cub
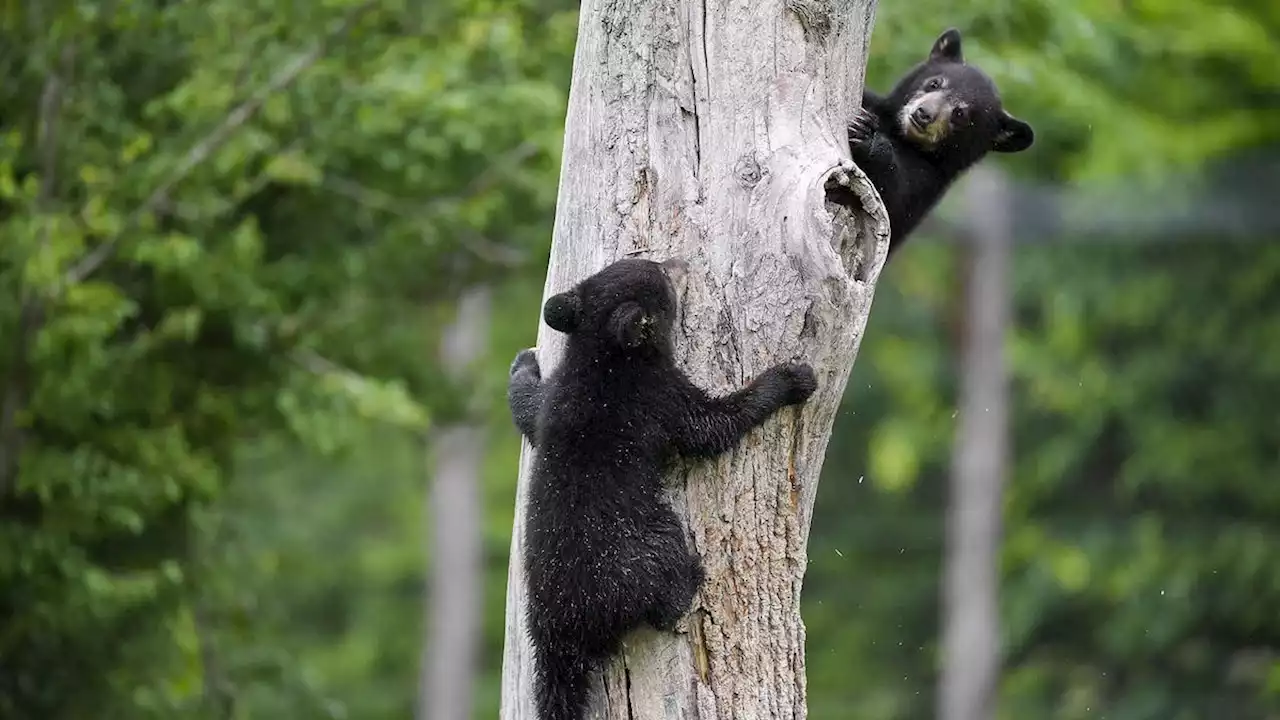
[
  {"x": 603, "y": 552},
  {"x": 937, "y": 122}
]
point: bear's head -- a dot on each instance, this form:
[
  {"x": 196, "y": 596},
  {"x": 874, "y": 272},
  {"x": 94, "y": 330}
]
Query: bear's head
[
  {"x": 953, "y": 109},
  {"x": 627, "y": 306}
]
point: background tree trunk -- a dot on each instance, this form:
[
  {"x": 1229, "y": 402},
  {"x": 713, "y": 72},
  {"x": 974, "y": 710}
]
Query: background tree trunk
[
  {"x": 451, "y": 651},
  {"x": 971, "y": 583},
  {"x": 711, "y": 130}
]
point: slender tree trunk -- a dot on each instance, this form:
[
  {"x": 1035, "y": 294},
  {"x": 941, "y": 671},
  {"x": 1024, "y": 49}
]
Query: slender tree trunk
[
  {"x": 971, "y": 628},
  {"x": 451, "y": 652},
  {"x": 712, "y": 130}
]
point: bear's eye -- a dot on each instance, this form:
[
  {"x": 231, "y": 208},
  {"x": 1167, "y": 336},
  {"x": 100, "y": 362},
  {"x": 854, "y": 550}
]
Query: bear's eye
[
  {"x": 958, "y": 114},
  {"x": 933, "y": 84}
]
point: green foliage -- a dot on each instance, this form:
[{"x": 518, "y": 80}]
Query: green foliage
[
  {"x": 1140, "y": 516},
  {"x": 1145, "y": 505},
  {"x": 218, "y": 506},
  {"x": 1135, "y": 90},
  {"x": 211, "y": 212},
  {"x": 1140, "y": 511}
]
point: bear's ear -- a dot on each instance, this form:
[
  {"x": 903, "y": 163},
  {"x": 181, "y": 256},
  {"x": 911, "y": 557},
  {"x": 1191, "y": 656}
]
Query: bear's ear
[
  {"x": 563, "y": 312},
  {"x": 629, "y": 325},
  {"x": 676, "y": 269},
  {"x": 1013, "y": 136},
  {"x": 947, "y": 47}
]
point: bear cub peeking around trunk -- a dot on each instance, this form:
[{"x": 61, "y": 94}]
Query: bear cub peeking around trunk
[{"x": 938, "y": 121}]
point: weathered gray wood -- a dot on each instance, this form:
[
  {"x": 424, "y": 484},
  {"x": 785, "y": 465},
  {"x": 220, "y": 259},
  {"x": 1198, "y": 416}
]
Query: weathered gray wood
[
  {"x": 971, "y": 579},
  {"x": 709, "y": 130}
]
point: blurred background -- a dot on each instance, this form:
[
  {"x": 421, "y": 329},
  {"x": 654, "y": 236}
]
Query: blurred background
[{"x": 265, "y": 264}]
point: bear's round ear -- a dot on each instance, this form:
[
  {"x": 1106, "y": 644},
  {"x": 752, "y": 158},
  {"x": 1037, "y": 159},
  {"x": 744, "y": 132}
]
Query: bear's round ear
[
  {"x": 947, "y": 47},
  {"x": 563, "y": 311},
  {"x": 676, "y": 269},
  {"x": 629, "y": 325},
  {"x": 1014, "y": 135}
]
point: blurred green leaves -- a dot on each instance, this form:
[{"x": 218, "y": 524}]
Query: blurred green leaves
[
  {"x": 1137, "y": 90},
  {"x": 222, "y": 427},
  {"x": 270, "y": 275}
]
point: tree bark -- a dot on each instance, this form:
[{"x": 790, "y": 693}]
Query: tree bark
[
  {"x": 452, "y": 647},
  {"x": 971, "y": 584},
  {"x": 716, "y": 131}
]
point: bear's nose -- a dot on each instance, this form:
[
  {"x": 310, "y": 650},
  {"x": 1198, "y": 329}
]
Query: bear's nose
[{"x": 922, "y": 116}]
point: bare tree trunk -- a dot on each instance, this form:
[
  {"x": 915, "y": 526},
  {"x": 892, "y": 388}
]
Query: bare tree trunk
[
  {"x": 451, "y": 651},
  {"x": 971, "y": 627},
  {"x": 712, "y": 130}
]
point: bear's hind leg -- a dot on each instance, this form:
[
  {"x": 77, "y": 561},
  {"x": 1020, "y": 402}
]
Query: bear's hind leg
[{"x": 675, "y": 599}]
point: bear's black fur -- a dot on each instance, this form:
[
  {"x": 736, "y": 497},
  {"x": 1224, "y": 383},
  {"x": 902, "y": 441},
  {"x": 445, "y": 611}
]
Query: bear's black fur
[
  {"x": 603, "y": 553},
  {"x": 938, "y": 121}
]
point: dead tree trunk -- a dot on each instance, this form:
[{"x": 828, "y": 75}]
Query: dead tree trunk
[
  {"x": 712, "y": 130},
  {"x": 452, "y": 648},
  {"x": 971, "y": 583}
]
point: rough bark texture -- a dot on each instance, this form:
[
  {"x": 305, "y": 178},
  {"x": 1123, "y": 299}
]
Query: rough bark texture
[
  {"x": 452, "y": 648},
  {"x": 711, "y": 130},
  {"x": 971, "y": 584}
]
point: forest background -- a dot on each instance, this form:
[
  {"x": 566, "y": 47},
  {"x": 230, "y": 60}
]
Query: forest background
[{"x": 235, "y": 232}]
